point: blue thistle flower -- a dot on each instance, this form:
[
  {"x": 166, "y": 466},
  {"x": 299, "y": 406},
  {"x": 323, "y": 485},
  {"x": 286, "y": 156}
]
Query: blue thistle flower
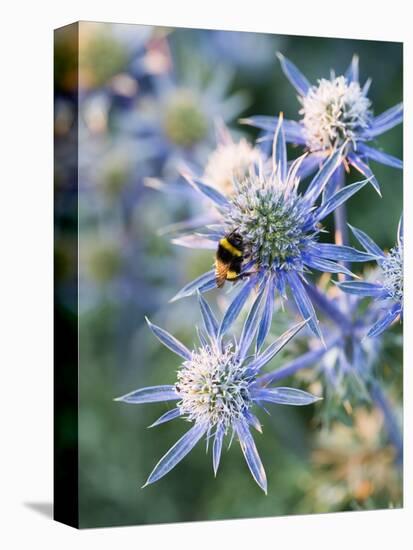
[
  {"x": 345, "y": 363},
  {"x": 333, "y": 112},
  {"x": 280, "y": 228},
  {"x": 218, "y": 384},
  {"x": 179, "y": 120},
  {"x": 389, "y": 284}
]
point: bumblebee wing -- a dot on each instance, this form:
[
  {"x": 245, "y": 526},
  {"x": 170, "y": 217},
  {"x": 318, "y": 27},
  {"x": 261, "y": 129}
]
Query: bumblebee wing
[{"x": 221, "y": 270}]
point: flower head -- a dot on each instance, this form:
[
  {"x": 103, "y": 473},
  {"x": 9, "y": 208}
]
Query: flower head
[
  {"x": 344, "y": 365},
  {"x": 388, "y": 287},
  {"x": 178, "y": 121},
  {"x": 271, "y": 221},
  {"x": 230, "y": 160},
  {"x": 213, "y": 386},
  {"x": 217, "y": 386},
  {"x": 335, "y": 111},
  {"x": 184, "y": 122},
  {"x": 280, "y": 227}
]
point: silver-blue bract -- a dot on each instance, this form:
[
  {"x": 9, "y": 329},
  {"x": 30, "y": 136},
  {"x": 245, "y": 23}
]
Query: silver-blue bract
[
  {"x": 217, "y": 386},
  {"x": 280, "y": 228},
  {"x": 389, "y": 284},
  {"x": 334, "y": 111}
]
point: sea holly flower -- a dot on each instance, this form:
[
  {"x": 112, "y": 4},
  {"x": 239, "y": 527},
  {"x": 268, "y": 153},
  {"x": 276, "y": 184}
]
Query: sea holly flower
[
  {"x": 179, "y": 120},
  {"x": 333, "y": 112},
  {"x": 389, "y": 284},
  {"x": 280, "y": 228},
  {"x": 217, "y": 388},
  {"x": 230, "y": 160},
  {"x": 344, "y": 363}
]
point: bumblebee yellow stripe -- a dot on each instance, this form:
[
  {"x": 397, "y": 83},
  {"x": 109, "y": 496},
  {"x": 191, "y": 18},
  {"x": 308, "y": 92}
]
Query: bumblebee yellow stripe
[
  {"x": 228, "y": 246},
  {"x": 232, "y": 275}
]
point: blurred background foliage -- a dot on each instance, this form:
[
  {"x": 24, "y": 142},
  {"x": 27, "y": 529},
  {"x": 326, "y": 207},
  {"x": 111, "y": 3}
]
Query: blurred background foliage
[{"x": 148, "y": 100}]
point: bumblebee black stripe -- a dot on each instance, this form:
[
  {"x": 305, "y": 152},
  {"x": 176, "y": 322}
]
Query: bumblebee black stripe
[{"x": 230, "y": 247}]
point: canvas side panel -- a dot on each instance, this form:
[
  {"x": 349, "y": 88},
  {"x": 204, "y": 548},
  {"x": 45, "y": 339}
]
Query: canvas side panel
[{"x": 66, "y": 261}]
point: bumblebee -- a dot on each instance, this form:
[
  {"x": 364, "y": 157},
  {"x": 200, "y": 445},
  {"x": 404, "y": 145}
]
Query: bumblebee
[{"x": 229, "y": 258}]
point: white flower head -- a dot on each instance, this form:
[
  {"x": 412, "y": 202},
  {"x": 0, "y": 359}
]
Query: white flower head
[
  {"x": 333, "y": 112},
  {"x": 230, "y": 161},
  {"x": 213, "y": 387}
]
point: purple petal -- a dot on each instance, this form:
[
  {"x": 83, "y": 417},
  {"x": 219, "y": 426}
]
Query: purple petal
[
  {"x": 214, "y": 195},
  {"x": 151, "y": 394},
  {"x": 170, "y": 341},
  {"x": 383, "y": 323},
  {"x": 195, "y": 285},
  {"x": 166, "y": 417},
  {"x": 293, "y": 130},
  {"x": 308, "y": 359},
  {"x": 253, "y": 421},
  {"x": 380, "y": 156},
  {"x": 272, "y": 350},
  {"x": 384, "y": 122},
  {"x": 367, "y": 243},
  {"x": 209, "y": 319},
  {"x": 323, "y": 176},
  {"x": 326, "y": 266},
  {"x": 364, "y": 169},
  {"x": 195, "y": 241},
  {"x": 217, "y": 448},
  {"x": 279, "y": 151},
  {"x": 294, "y": 75},
  {"x": 337, "y": 181},
  {"x": 209, "y": 285},
  {"x": 311, "y": 164},
  {"x": 235, "y": 307},
  {"x": 352, "y": 73},
  {"x": 338, "y": 199},
  {"x": 340, "y": 253},
  {"x": 190, "y": 225},
  {"x": 303, "y": 302},
  {"x": 251, "y": 454},
  {"x": 366, "y": 87},
  {"x": 361, "y": 288},
  {"x": 250, "y": 326},
  {"x": 284, "y": 396},
  {"x": 262, "y": 122},
  {"x": 267, "y": 313},
  {"x": 176, "y": 453},
  {"x": 400, "y": 231}
]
